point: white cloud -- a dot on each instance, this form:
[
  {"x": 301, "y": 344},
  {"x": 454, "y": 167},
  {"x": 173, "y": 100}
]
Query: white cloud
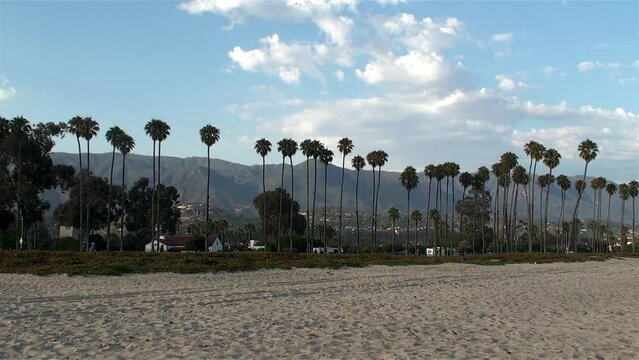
[
  {"x": 591, "y": 65},
  {"x": 424, "y": 35},
  {"x": 503, "y": 37},
  {"x": 290, "y": 75},
  {"x": 548, "y": 70},
  {"x": 390, "y": 2},
  {"x": 338, "y": 29},
  {"x": 339, "y": 74},
  {"x": 501, "y": 54},
  {"x": 508, "y": 84},
  {"x": 6, "y": 91}
]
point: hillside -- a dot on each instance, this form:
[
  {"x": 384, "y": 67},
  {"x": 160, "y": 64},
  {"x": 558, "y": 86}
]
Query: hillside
[{"x": 234, "y": 186}]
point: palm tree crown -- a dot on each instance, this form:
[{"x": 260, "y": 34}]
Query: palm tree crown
[
  {"x": 262, "y": 147},
  {"x": 209, "y": 135}
]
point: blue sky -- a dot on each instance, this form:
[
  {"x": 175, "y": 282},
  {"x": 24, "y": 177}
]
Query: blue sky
[{"x": 426, "y": 81}]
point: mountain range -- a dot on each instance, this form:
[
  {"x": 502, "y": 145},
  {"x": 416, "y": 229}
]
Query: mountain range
[{"x": 234, "y": 186}]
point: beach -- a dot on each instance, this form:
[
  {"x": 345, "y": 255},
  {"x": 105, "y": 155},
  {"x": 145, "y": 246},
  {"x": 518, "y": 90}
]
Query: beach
[{"x": 519, "y": 311}]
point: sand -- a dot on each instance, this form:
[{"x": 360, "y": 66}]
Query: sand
[{"x": 579, "y": 310}]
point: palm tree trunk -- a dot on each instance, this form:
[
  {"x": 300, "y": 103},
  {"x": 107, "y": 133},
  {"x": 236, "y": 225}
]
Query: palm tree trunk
[
  {"x": 452, "y": 228},
  {"x": 290, "y": 228},
  {"x": 264, "y": 203},
  {"x": 357, "y": 208},
  {"x": 279, "y": 213},
  {"x": 159, "y": 197},
  {"x": 496, "y": 217},
  {"x": 153, "y": 204},
  {"x": 416, "y": 229},
  {"x": 594, "y": 220},
  {"x": 341, "y": 195},
  {"x": 561, "y": 219},
  {"x": 505, "y": 224},
  {"x": 622, "y": 234},
  {"x": 608, "y": 221},
  {"x": 407, "y": 221},
  {"x": 379, "y": 181},
  {"x": 513, "y": 219},
  {"x": 633, "y": 225},
  {"x": 393, "y": 238},
  {"x": 430, "y": 180},
  {"x": 373, "y": 216},
  {"x": 532, "y": 203},
  {"x": 123, "y": 201},
  {"x": 541, "y": 219},
  {"x": 88, "y": 202},
  {"x": 446, "y": 217},
  {"x": 81, "y": 192},
  {"x": 208, "y": 196},
  {"x": 109, "y": 203},
  {"x": 571, "y": 236},
  {"x": 529, "y": 200},
  {"x": 461, "y": 220},
  {"x": 314, "y": 196},
  {"x": 325, "y": 181},
  {"x": 308, "y": 200},
  {"x": 546, "y": 213}
]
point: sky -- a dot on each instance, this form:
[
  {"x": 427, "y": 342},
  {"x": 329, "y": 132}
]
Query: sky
[{"x": 427, "y": 82}]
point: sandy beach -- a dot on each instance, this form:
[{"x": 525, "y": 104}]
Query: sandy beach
[{"x": 577, "y": 310}]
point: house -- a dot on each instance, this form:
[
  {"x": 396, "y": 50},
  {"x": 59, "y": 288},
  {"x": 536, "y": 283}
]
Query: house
[
  {"x": 175, "y": 243},
  {"x": 216, "y": 246}
]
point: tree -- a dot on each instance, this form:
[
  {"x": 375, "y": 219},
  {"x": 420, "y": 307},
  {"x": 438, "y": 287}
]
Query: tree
[
  {"x": 382, "y": 158},
  {"x": 305, "y": 147},
  {"x": 209, "y": 135},
  {"x": 564, "y": 184},
  {"x": 482, "y": 176},
  {"x": 596, "y": 184},
  {"x": 345, "y": 147},
  {"x": 358, "y": 163},
  {"x": 466, "y": 180},
  {"x": 509, "y": 161},
  {"x": 326, "y": 157},
  {"x": 316, "y": 150},
  {"x": 535, "y": 151},
  {"x": 263, "y": 147},
  {"x": 393, "y": 214},
  {"x": 76, "y": 127},
  {"x": 633, "y": 190},
  {"x": 469, "y": 208},
  {"x": 611, "y": 189},
  {"x": 435, "y": 218},
  {"x": 163, "y": 131},
  {"x": 588, "y": 151},
  {"x": 429, "y": 171},
  {"x": 371, "y": 158},
  {"x": 267, "y": 205},
  {"x": 624, "y": 194},
  {"x": 91, "y": 129},
  {"x": 544, "y": 182},
  {"x": 409, "y": 181},
  {"x": 416, "y": 216},
  {"x": 151, "y": 130},
  {"x": 551, "y": 159},
  {"x": 439, "y": 176},
  {"x": 580, "y": 186},
  {"x": 291, "y": 149},
  {"x": 520, "y": 178},
  {"x": 288, "y": 148},
  {"x": 113, "y": 136},
  {"x": 452, "y": 172},
  {"x": 125, "y": 146}
]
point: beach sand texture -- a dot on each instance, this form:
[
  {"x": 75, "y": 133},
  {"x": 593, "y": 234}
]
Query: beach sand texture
[{"x": 578, "y": 310}]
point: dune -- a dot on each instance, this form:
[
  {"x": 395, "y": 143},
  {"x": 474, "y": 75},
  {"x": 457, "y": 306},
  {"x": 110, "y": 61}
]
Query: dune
[{"x": 529, "y": 311}]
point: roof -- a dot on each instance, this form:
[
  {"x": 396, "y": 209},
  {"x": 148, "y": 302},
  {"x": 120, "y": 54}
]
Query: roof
[{"x": 180, "y": 240}]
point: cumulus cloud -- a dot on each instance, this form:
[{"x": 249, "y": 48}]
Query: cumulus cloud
[
  {"x": 339, "y": 74},
  {"x": 591, "y": 65},
  {"x": 6, "y": 91},
  {"x": 506, "y": 83},
  {"x": 503, "y": 37}
]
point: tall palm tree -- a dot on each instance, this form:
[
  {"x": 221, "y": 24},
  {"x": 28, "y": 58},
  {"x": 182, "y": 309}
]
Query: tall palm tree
[
  {"x": 263, "y": 147},
  {"x": 588, "y": 151},
  {"x": 624, "y": 194},
  {"x": 164, "y": 131},
  {"x": 439, "y": 176},
  {"x": 209, "y": 135},
  {"x": 482, "y": 176},
  {"x": 564, "y": 184},
  {"x": 633, "y": 190},
  {"x": 372, "y": 160},
  {"x": 580, "y": 186},
  {"x": 125, "y": 146},
  {"x": 91, "y": 129},
  {"x": 429, "y": 172},
  {"x": 535, "y": 151},
  {"x": 382, "y": 158},
  {"x": 316, "y": 150},
  {"x": 601, "y": 186},
  {"x": 520, "y": 178},
  {"x": 596, "y": 185},
  {"x": 466, "y": 180},
  {"x": 282, "y": 147},
  {"x": 291, "y": 150},
  {"x": 326, "y": 157},
  {"x": 358, "y": 163},
  {"x": 416, "y": 216},
  {"x": 151, "y": 130},
  {"x": 499, "y": 171},
  {"x": 345, "y": 146},
  {"x": 113, "y": 136},
  {"x": 409, "y": 181},
  {"x": 305, "y": 147},
  {"x": 435, "y": 217},
  {"x": 611, "y": 189},
  {"x": 509, "y": 161},
  {"x": 21, "y": 129},
  {"x": 393, "y": 214},
  {"x": 453, "y": 172},
  {"x": 544, "y": 182},
  {"x": 551, "y": 159},
  {"x": 76, "y": 127}
]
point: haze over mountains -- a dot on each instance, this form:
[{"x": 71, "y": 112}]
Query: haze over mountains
[{"x": 234, "y": 186}]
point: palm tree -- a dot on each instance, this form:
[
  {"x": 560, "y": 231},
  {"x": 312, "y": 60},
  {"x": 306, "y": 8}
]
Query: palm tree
[
  {"x": 596, "y": 185},
  {"x": 164, "y": 130},
  {"x": 382, "y": 158},
  {"x": 209, "y": 135},
  {"x": 263, "y": 147},
  {"x": 358, "y": 163},
  {"x": 466, "y": 180},
  {"x": 482, "y": 176},
  {"x": 282, "y": 147},
  {"x": 316, "y": 150},
  {"x": 434, "y": 216},
  {"x": 535, "y": 151},
  {"x": 588, "y": 151},
  {"x": 439, "y": 176},
  {"x": 371, "y": 158},
  {"x": 326, "y": 157},
  {"x": 633, "y": 190},
  {"x": 544, "y": 182},
  {"x": 564, "y": 184},
  {"x": 151, "y": 129},
  {"x": 125, "y": 146},
  {"x": 393, "y": 214},
  {"x": 551, "y": 159},
  {"x": 21, "y": 129},
  {"x": 305, "y": 146},
  {"x": 601, "y": 186},
  {"x": 345, "y": 146},
  {"x": 453, "y": 172},
  {"x": 499, "y": 171},
  {"x": 624, "y": 194},
  {"x": 91, "y": 129},
  {"x": 291, "y": 149},
  {"x": 76, "y": 127},
  {"x": 580, "y": 186},
  {"x": 429, "y": 171},
  {"x": 113, "y": 136},
  {"x": 520, "y": 178},
  {"x": 416, "y": 216},
  {"x": 409, "y": 181},
  {"x": 509, "y": 162},
  {"x": 611, "y": 189}
]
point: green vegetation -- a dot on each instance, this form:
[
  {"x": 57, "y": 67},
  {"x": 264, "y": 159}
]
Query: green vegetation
[{"x": 117, "y": 263}]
